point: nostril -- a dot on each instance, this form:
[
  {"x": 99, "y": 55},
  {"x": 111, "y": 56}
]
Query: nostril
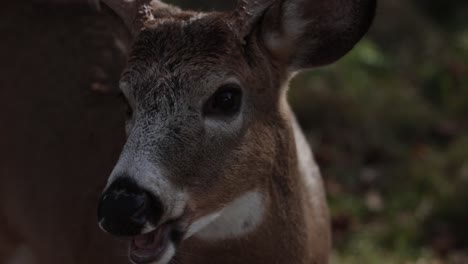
[
  {"x": 125, "y": 208},
  {"x": 140, "y": 215},
  {"x": 123, "y": 213}
]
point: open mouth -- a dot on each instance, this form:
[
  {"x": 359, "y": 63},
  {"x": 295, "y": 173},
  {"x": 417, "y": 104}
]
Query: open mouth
[{"x": 150, "y": 247}]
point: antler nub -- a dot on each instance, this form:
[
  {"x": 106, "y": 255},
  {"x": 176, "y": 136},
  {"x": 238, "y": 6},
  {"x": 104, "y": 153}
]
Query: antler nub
[
  {"x": 138, "y": 13},
  {"x": 146, "y": 13},
  {"x": 130, "y": 11}
]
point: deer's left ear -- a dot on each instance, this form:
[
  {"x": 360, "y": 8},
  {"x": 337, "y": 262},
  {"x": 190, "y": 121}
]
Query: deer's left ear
[{"x": 310, "y": 33}]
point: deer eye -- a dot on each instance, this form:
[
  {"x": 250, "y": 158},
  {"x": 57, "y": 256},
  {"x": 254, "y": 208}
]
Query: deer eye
[{"x": 226, "y": 101}]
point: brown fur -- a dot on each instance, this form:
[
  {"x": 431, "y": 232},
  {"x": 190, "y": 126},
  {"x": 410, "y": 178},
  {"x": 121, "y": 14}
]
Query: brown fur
[
  {"x": 178, "y": 61},
  {"x": 265, "y": 159},
  {"x": 291, "y": 232}
]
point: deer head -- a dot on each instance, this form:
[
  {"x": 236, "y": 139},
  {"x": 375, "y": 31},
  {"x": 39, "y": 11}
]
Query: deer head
[{"x": 208, "y": 122}]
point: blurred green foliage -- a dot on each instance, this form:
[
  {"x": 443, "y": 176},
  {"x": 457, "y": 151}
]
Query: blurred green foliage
[
  {"x": 388, "y": 124},
  {"x": 389, "y": 127}
]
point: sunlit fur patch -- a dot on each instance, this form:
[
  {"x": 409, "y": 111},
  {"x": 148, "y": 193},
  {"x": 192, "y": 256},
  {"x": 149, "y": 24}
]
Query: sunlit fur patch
[
  {"x": 306, "y": 164},
  {"x": 201, "y": 223},
  {"x": 238, "y": 218},
  {"x": 193, "y": 19}
]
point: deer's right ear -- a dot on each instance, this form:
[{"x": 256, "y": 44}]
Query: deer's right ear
[
  {"x": 308, "y": 33},
  {"x": 136, "y": 13}
]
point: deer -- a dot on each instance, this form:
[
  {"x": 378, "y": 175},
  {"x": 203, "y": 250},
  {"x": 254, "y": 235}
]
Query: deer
[{"x": 215, "y": 168}]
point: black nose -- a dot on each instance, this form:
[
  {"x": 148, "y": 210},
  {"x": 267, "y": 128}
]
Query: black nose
[{"x": 125, "y": 208}]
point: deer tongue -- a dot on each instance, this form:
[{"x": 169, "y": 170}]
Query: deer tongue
[
  {"x": 151, "y": 246},
  {"x": 146, "y": 240}
]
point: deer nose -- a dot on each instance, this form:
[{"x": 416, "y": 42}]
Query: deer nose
[{"x": 125, "y": 208}]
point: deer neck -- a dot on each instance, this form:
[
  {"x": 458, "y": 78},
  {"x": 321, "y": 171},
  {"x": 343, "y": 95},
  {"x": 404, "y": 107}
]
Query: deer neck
[{"x": 287, "y": 224}]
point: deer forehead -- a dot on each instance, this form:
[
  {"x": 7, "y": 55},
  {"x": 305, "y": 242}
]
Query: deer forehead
[
  {"x": 178, "y": 42},
  {"x": 183, "y": 56}
]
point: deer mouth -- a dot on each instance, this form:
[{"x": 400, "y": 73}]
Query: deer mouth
[{"x": 151, "y": 247}]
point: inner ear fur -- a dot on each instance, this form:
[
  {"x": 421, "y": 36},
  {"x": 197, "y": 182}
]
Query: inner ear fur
[{"x": 311, "y": 33}]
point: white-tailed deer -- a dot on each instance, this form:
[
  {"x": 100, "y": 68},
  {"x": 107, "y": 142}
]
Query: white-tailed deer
[{"x": 215, "y": 168}]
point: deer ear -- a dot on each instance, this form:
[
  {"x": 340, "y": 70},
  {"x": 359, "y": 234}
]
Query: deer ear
[
  {"x": 136, "y": 13},
  {"x": 309, "y": 33}
]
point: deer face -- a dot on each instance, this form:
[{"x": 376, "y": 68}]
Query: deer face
[
  {"x": 194, "y": 132},
  {"x": 207, "y": 116}
]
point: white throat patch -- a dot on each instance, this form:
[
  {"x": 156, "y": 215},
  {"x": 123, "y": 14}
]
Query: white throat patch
[{"x": 236, "y": 219}]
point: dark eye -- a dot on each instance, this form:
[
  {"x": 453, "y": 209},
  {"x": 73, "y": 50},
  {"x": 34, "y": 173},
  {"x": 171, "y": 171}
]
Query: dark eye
[{"x": 225, "y": 102}]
